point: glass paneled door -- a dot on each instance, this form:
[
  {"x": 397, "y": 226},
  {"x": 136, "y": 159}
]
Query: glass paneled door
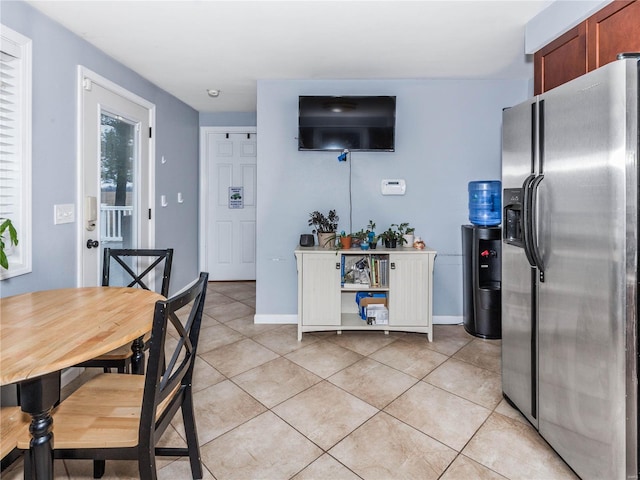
[{"x": 116, "y": 188}]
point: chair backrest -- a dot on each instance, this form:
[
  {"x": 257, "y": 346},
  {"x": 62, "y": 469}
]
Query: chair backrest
[
  {"x": 158, "y": 260},
  {"x": 170, "y": 368}
]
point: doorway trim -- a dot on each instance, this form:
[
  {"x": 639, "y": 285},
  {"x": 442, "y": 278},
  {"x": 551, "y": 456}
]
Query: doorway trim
[
  {"x": 204, "y": 174},
  {"x": 83, "y": 74}
]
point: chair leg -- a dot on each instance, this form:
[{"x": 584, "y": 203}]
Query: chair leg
[
  {"x": 191, "y": 432},
  {"x": 98, "y": 468},
  {"x": 147, "y": 464}
]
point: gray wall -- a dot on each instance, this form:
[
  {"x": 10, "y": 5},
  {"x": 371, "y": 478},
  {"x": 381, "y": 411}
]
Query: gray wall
[
  {"x": 228, "y": 119},
  {"x": 447, "y": 134},
  {"x": 56, "y": 55}
]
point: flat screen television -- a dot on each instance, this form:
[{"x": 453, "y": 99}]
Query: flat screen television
[{"x": 354, "y": 123}]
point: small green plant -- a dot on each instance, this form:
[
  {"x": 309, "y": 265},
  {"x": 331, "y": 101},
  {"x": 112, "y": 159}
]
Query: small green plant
[{"x": 6, "y": 227}]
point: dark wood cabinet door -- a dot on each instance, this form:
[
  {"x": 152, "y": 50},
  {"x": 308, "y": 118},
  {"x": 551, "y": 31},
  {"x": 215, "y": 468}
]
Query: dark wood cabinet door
[
  {"x": 561, "y": 60},
  {"x": 613, "y": 30}
]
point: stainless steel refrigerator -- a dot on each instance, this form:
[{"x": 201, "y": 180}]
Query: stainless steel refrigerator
[{"x": 570, "y": 268}]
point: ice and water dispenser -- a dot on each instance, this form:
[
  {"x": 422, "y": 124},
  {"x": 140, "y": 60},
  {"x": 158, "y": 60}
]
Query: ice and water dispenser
[{"x": 481, "y": 261}]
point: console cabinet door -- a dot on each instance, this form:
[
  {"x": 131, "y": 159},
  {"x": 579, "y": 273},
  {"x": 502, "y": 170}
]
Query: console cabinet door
[
  {"x": 320, "y": 289},
  {"x": 410, "y": 295}
]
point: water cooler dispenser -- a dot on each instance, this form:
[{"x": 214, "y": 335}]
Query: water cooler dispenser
[{"x": 481, "y": 261}]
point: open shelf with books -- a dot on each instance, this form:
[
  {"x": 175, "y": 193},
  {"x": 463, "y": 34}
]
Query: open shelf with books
[{"x": 385, "y": 290}]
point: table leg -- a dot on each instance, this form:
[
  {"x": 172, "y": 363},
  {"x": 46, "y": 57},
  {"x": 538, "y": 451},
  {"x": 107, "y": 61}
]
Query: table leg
[
  {"x": 37, "y": 398},
  {"x": 137, "y": 360}
]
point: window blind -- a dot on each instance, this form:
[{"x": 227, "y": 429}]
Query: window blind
[{"x": 15, "y": 145}]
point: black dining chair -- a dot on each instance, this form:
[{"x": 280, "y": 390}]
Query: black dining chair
[
  {"x": 117, "y": 416},
  {"x": 132, "y": 268}
]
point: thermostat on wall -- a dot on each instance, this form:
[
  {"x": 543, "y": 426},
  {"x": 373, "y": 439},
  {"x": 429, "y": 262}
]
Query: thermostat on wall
[{"x": 393, "y": 187}]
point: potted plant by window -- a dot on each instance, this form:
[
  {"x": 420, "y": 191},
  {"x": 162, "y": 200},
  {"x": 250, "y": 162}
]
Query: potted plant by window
[
  {"x": 325, "y": 227},
  {"x": 6, "y": 227}
]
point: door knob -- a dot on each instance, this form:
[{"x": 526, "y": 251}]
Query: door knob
[{"x": 92, "y": 243}]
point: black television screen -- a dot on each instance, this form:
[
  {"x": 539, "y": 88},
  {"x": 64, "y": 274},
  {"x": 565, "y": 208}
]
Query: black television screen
[{"x": 354, "y": 123}]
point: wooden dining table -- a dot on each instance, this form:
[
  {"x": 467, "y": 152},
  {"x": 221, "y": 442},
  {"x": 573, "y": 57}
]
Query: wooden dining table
[{"x": 43, "y": 332}]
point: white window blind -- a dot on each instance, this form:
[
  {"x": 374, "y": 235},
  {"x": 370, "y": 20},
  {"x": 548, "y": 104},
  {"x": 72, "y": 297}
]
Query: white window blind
[{"x": 15, "y": 146}]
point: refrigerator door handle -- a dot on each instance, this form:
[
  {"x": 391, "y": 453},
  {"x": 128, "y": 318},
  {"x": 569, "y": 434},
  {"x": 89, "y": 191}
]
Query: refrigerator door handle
[
  {"x": 527, "y": 224},
  {"x": 535, "y": 250}
]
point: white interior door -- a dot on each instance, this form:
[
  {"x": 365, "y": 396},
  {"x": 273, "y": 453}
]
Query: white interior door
[
  {"x": 229, "y": 203},
  {"x": 116, "y": 179}
]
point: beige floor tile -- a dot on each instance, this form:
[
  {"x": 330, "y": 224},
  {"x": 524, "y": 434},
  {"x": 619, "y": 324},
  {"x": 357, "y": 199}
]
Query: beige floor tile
[
  {"x": 16, "y": 471},
  {"x": 447, "y": 339},
  {"x": 468, "y": 381},
  {"x": 324, "y": 413},
  {"x": 364, "y": 343},
  {"x": 214, "y": 298},
  {"x": 204, "y": 375},
  {"x": 446, "y": 417},
  {"x": 181, "y": 469},
  {"x": 234, "y": 290},
  {"x": 464, "y": 468},
  {"x": 482, "y": 353},
  {"x": 262, "y": 448},
  {"x": 229, "y": 311},
  {"x": 324, "y": 358},
  {"x": 515, "y": 450},
  {"x": 275, "y": 381},
  {"x": 507, "y": 410},
  {"x": 114, "y": 469},
  {"x": 410, "y": 358},
  {"x": 326, "y": 467},
  {"x": 238, "y": 357},
  {"x": 247, "y": 327},
  {"x": 385, "y": 448},
  {"x": 373, "y": 382},
  {"x": 251, "y": 302},
  {"x": 216, "y": 336},
  {"x": 284, "y": 339},
  {"x": 219, "y": 409}
]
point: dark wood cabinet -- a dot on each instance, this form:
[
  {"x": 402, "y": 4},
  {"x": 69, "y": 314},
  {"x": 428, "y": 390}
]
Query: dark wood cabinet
[
  {"x": 562, "y": 60},
  {"x": 595, "y": 42},
  {"x": 613, "y": 30}
]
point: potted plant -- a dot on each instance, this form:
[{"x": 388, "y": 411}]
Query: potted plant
[
  {"x": 325, "y": 227},
  {"x": 390, "y": 237},
  {"x": 357, "y": 238},
  {"x": 407, "y": 233},
  {"x": 345, "y": 240},
  {"x": 6, "y": 227},
  {"x": 372, "y": 239}
]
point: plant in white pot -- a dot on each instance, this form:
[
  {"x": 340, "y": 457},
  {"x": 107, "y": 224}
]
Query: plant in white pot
[
  {"x": 407, "y": 234},
  {"x": 6, "y": 228},
  {"x": 325, "y": 227}
]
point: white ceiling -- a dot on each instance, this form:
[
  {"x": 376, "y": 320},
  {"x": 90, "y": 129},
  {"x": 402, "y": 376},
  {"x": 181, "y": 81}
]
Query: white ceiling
[{"x": 188, "y": 46}]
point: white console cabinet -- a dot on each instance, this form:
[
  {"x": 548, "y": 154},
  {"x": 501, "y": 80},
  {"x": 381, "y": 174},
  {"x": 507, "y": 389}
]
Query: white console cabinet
[{"x": 404, "y": 275}]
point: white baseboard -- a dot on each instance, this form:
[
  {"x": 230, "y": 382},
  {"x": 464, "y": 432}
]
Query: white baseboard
[
  {"x": 276, "y": 319},
  {"x": 293, "y": 319},
  {"x": 446, "y": 320}
]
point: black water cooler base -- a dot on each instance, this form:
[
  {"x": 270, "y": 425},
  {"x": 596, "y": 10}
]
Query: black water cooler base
[{"x": 481, "y": 273}]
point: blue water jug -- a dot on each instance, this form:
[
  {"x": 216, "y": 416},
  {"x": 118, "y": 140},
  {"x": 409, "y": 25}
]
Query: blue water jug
[{"x": 485, "y": 202}]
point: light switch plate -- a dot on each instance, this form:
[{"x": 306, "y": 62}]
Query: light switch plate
[{"x": 64, "y": 213}]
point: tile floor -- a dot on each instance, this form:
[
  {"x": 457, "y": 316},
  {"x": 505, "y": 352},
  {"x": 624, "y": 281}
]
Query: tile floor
[{"x": 357, "y": 405}]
